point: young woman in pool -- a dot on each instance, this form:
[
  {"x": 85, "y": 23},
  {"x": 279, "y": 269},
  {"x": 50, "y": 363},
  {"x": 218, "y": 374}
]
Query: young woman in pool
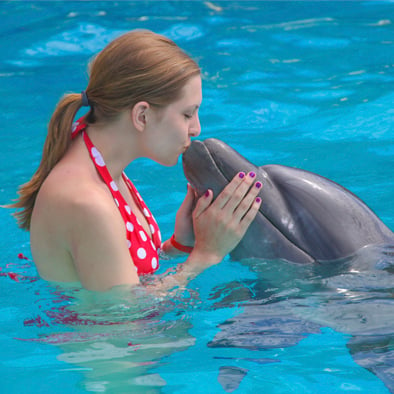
[{"x": 87, "y": 221}]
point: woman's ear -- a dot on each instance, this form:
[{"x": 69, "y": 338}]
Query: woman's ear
[{"x": 139, "y": 115}]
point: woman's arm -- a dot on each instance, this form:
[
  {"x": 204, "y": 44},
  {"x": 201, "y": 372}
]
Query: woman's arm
[{"x": 183, "y": 232}]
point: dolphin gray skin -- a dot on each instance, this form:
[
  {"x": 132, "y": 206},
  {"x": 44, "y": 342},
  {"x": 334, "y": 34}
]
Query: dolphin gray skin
[{"x": 303, "y": 218}]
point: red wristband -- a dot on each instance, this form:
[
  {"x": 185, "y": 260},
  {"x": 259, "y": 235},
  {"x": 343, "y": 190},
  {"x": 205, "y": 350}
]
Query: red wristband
[{"x": 177, "y": 245}]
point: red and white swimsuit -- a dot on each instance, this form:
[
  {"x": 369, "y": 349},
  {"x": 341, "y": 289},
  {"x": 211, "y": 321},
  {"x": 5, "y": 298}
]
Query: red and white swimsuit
[{"x": 143, "y": 250}]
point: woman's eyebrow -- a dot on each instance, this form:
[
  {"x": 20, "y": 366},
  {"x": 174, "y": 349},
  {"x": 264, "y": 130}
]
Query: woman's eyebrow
[{"x": 193, "y": 108}]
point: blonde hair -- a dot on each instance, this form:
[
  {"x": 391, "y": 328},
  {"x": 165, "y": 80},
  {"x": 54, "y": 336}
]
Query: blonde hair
[{"x": 137, "y": 66}]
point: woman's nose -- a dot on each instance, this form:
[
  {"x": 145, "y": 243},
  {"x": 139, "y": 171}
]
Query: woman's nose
[{"x": 195, "y": 127}]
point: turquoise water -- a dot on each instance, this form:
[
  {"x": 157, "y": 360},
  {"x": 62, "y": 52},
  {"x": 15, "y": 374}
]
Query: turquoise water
[{"x": 305, "y": 84}]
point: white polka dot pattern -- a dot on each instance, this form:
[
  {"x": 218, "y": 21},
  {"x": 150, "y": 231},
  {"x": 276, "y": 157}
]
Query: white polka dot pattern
[
  {"x": 141, "y": 253},
  {"x": 143, "y": 236},
  {"x": 113, "y": 186},
  {"x": 97, "y": 157}
]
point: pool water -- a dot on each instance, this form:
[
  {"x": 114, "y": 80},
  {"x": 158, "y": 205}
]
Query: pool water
[{"x": 304, "y": 84}]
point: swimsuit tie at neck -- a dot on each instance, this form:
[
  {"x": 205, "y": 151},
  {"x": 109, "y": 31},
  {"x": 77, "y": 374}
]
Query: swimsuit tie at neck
[{"x": 77, "y": 127}]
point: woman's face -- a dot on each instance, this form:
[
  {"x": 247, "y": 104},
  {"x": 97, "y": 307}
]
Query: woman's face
[{"x": 170, "y": 129}]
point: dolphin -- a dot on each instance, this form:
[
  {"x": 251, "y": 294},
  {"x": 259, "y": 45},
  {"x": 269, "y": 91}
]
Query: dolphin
[{"x": 303, "y": 218}]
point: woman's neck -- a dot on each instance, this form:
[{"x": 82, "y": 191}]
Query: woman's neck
[{"x": 117, "y": 142}]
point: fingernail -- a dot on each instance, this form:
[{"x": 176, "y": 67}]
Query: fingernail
[
  {"x": 241, "y": 174},
  {"x": 252, "y": 174},
  {"x": 206, "y": 193},
  {"x": 258, "y": 185},
  {"x": 258, "y": 200}
]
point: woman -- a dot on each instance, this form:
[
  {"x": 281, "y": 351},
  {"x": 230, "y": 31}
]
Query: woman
[{"x": 87, "y": 221}]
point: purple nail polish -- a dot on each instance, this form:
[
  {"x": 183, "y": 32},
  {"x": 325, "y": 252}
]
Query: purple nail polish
[
  {"x": 258, "y": 200},
  {"x": 206, "y": 193},
  {"x": 258, "y": 185},
  {"x": 252, "y": 174},
  {"x": 241, "y": 174}
]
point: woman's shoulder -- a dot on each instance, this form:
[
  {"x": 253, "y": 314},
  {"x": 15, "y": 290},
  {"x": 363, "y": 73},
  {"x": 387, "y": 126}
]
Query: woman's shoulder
[
  {"x": 72, "y": 188},
  {"x": 70, "y": 203}
]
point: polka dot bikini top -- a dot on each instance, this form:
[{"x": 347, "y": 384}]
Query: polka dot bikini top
[{"x": 143, "y": 250}]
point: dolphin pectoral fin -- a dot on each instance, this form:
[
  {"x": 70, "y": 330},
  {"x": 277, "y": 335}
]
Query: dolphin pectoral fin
[{"x": 230, "y": 377}]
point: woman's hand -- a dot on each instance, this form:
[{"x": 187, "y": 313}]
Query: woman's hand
[
  {"x": 218, "y": 225},
  {"x": 221, "y": 224}
]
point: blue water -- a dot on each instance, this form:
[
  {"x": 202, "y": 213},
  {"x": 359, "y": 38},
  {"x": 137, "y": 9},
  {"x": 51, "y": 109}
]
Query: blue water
[{"x": 305, "y": 84}]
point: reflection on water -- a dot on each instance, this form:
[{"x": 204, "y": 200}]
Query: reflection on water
[
  {"x": 113, "y": 339},
  {"x": 289, "y": 302},
  {"x": 260, "y": 314}
]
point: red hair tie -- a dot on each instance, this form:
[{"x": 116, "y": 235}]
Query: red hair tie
[{"x": 177, "y": 245}]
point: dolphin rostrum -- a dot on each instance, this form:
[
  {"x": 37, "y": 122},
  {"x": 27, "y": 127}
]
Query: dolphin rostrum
[{"x": 303, "y": 218}]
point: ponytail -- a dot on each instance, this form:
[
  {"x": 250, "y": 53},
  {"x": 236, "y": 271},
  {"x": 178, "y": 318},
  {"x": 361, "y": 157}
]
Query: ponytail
[{"x": 56, "y": 144}]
